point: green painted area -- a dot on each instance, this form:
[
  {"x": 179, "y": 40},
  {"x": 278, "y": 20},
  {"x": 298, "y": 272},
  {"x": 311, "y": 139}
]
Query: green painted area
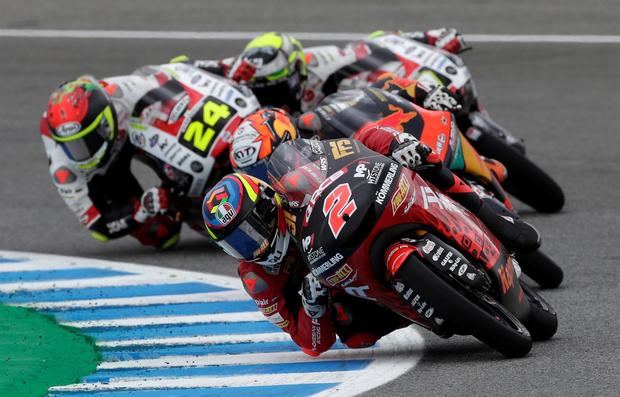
[{"x": 37, "y": 353}]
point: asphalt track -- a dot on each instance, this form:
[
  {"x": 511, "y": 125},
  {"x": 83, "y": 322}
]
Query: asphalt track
[{"x": 562, "y": 98}]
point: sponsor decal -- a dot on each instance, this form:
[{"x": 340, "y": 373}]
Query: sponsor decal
[
  {"x": 68, "y": 129},
  {"x": 331, "y": 262},
  {"x": 315, "y": 254},
  {"x": 153, "y": 140},
  {"x": 183, "y": 159},
  {"x": 254, "y": 284},
  {"x": 341, "y": 274},
  {"x": 399, "y": 196},
  {"x": 341, "y": 148},
  {"x": 64, "y": 175},
  {"x": 240, "y": 102},
  {"x": 316, "y": 147},
  {"x": 225, "y": 213},
  {"x": 437, "y": 254},
  {"x": 246, "y": 155},
  {"x": 506, "y": 277},
  {"x": 441, "y": 141},
  {"x": 360, "y": 171},
  {"x": 387, "y": 183},
  {"x": 359, "y": 292},
  {"x": 450, "y": 70},
  {"x": 375, "y": 173},
  {"x": 269, "y": 309},
  {"x": 278, "y": 320},
  {"x": 428, "y": 247},
  {"x": 323, "y": 163},
  {"x": 462, "y": 269},
  {"x": 196, "y": 166},
  {"x": 306, "y": 242},
  {"x": 117, "y": 226},
  {"x": 178, "y": 109}
]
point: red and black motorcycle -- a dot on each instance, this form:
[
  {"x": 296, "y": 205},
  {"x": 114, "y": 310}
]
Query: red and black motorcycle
[
  {"x": 345, "y": 113},
  {"x": 353, "y": 210}
]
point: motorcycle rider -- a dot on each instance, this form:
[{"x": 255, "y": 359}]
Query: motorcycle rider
[
  {"x": 85, "y": 130},
  {"x": 247, "y": 219},
  {"x": 276, "y": 68},
  {"x": 260, "y": 133}
]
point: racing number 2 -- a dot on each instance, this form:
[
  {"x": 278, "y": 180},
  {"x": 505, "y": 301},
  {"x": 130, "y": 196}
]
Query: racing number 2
[
  {"x": 337, "y": 205},
  {"x": 204, "y": 126}
]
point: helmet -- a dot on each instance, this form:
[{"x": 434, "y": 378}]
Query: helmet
[
  {"x": 257, "y": 137},
  {"x": 274, "y": 66},
  {"x": 82, "y": 121},
  {"x": 243, "y": 215}
]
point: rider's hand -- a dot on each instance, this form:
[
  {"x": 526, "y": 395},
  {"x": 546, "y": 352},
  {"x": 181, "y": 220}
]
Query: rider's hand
[
  {"x": 152, "y": 203},
  {"x": 314, "y": 296},
  {"x": 411, "y": 153},
  {"x": 447, "y": 39},
  {"x": 439, "y": 98}
]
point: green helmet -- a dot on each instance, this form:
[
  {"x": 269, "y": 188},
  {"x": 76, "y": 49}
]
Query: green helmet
[{"x": 274, "y": 66}]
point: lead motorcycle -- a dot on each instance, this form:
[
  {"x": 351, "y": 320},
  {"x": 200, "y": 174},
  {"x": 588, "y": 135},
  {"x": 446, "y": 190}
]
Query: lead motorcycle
[
  {"x": 352, "y": 208},
  {"x": 344, "y": 113},
  {"x": 434, "y": 66}
]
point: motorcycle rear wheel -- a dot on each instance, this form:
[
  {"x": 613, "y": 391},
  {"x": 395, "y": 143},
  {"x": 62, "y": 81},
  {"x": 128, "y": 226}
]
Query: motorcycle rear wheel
[
  {"x": 475, "y": 313},
  {"x": 526, "y": 181},
  {"x": 540, "y": 268}
]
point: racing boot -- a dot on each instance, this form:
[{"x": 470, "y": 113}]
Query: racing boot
[{"x": 514, "y": 233}]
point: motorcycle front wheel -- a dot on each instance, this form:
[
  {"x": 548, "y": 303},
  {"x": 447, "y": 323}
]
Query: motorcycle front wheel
[{"x": 472, "y": 312}]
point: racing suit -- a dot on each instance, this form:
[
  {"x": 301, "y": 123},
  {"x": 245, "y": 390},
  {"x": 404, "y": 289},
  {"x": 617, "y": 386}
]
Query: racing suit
[
  {"x": 106, "y": 199},
  {"x": 329, "y": 66},
  {"x": 358, "y": 323}
]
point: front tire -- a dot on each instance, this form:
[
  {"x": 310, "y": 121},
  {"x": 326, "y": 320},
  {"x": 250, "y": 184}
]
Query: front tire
[
  {"x": 540, "y": 268},
  {"x": 542, "y": 321},
  {"x": 477, "y": 314},
  {"x": 526, "y": 181}
]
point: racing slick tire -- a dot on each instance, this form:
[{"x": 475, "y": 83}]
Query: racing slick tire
[
  {"x": 526, "y": 181},
  {"x": 470, "y": 312},
  {"x": 543, "y": 320},
  {"x": 540, "y": 268}
]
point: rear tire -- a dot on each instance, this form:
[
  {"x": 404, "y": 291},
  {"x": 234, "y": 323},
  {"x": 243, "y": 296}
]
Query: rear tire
[
  {"x": 540, "y": 268},
  {"x": 526, "y": 181},
  {"x": 542, "y": 321},
  {"x": 480, "y": 316}
]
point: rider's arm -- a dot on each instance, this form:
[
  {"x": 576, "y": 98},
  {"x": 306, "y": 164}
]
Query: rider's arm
[
  {"x": 433, "y": 98},
  {"x": 220, "y": 67},
  {"x": 281, "y": 305},
  {"x": 448, "y": 39}
]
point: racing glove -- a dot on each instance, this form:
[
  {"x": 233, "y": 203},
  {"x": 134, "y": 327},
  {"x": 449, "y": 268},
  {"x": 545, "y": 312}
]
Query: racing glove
[
  {"x": 153, "y": 202},
  {"x": 439, "y": 98},
  {"x": 314, "y": 296},
  {"x": 448, "y": 39},
  {"x": 411, "y": 153}
]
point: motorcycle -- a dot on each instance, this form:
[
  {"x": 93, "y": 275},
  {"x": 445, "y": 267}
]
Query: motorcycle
[
  {"x": 182, "y": 131},
  {"x": 351, "y": 206},
  {"x": 434, "y": 66},
  {"x": 345, "y": 113}
]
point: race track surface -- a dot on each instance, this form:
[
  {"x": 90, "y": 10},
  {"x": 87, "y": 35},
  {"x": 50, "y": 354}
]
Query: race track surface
[{"x": 562, "y": 98}]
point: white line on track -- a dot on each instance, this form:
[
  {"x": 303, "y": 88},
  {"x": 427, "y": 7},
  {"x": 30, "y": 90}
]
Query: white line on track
[
  {"x": 143, "y": 321},
  {"x": 209, "y": 381},
  {"x": 313, "y": 36},
  {"x": 198, "y": 340},
  {"x": 115, "y": 281},
  {"x": 235, "y": 295}
]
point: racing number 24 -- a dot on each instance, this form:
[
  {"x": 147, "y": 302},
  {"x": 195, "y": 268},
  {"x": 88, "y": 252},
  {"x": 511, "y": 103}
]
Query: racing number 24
[
  {"x": 201, "y": 131},
  {"x": 337, "y": 205}
]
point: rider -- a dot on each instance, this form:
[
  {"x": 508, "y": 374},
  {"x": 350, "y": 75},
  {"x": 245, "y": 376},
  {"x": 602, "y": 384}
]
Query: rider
[
  {"x": 246, "y": 218},
  {"x": 260, "y": 133},
  {"x": 85, "y": 133},
  {"x": 279, "y": 72}
]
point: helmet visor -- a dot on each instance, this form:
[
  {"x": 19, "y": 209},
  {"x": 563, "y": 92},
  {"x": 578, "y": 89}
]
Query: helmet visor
[
  {"x": 87, "y": 143},
  {"x": 252, "y": 239}
]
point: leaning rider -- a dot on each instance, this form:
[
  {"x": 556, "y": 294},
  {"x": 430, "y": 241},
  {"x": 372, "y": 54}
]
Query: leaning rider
[{"x": 281, "y": 74}]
